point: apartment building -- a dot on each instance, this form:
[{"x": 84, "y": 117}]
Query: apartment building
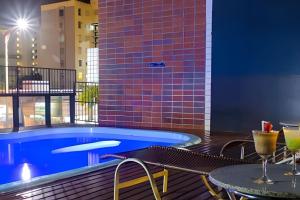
[
  {"x": 22, "y": 48},
  {"x": 67, "y": 32}
]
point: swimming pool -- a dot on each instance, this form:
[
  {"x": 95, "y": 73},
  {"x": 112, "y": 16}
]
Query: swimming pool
[{"x": 47, "y": 154}]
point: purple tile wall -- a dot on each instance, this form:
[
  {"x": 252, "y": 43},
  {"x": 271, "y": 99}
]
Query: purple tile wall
[{"x": 136, "y": 33}]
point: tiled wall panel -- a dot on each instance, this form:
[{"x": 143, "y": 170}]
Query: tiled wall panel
[{"x": 134, "y": 34}]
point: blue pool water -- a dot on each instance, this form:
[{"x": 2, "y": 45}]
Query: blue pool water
[{"x": 40, "y": 152}]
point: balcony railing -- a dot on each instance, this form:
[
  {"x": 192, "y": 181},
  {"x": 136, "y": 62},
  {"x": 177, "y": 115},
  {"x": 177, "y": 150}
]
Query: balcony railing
[
  {"x": 87, "y": 96},
  {"x": 35, "y": 80}
]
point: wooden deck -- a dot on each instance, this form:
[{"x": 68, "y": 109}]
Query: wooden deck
[{"x": 99, "y": 184}]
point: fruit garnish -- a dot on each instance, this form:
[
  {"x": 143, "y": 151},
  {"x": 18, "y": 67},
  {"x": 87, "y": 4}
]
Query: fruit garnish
[{"x": 266, "y": 126}]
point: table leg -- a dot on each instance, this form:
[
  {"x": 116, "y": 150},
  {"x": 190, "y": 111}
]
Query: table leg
[{"x": 231, "y": 195}]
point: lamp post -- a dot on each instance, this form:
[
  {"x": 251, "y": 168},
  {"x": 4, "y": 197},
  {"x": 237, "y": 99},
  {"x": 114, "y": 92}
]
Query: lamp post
[{"x": 21, "y": 24}]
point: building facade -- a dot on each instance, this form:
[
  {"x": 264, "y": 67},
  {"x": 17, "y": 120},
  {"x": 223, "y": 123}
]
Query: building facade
[{"x": 67, "y": 31}]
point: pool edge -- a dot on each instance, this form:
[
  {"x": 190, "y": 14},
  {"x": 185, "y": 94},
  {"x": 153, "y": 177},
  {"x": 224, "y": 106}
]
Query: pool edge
[{"x": 22, "y": 185}]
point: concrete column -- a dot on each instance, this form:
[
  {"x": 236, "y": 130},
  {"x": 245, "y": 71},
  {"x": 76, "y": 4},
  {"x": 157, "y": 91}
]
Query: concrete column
[
  {"x": 72, "y": 108},
  {"x": 48, "y": 110},
  {"x": 16, "y": 123}
]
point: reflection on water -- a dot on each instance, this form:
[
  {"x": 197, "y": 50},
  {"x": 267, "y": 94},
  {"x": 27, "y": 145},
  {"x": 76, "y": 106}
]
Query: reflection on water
[
  {"x": 6, "y": 154},
  {"x": 93, "y": 158},
  {"x": 25, "y": 174},
  {"x": 294, "y": 181}
]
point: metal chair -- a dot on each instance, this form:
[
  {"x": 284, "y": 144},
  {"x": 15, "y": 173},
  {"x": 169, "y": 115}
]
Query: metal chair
[{"x": 170, "y": 158}]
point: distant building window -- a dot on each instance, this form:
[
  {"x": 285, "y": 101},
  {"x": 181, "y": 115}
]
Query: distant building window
[
  {"x": 80, "y": 63},
  {"x": 79, "y": 24},
  {"x": 61, "y": 12},
  {"x": 62, "y": 51},
  {"x": 79, "y": 12},
  {"x": 79, "y": 38},
  {"x": 79, "y": 50},
  {"x": 62, "y": 38},
  {"x": 60, "y": 25}
]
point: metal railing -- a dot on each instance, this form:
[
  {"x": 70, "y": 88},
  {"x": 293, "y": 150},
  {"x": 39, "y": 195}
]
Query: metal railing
[
  {"x": 86, "y": 102},
  {"x": 36, "y": 80}
]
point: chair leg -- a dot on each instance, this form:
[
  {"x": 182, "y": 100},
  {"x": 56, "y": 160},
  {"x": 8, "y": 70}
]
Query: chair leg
[
  {"x": 210, "y": 189},
  {"x": 165, "y": 181},
  {"x": 231, "y": 195},
  {"x": 116, "y": 185},
  {"x": 150, "y": 177}
]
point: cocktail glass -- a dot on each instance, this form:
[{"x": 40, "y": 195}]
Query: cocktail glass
[
  {"x": 265, "y": 146},
  {"x": 292, "y": 140}
]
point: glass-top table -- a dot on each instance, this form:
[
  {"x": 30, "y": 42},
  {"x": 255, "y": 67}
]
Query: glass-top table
[
  {"x": 239, "y": 179},
  {"x": 289, "y": 124}
]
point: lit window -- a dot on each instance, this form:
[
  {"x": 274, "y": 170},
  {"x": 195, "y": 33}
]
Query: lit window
[
  {"x": 18, "y": 51},
  {"x": 32, "y": 45},
  {"x": 33, "y": 39},
  {"x": 18, "y": 44},
  {"x": 80, "y": 76},
  {"x": 92, "y": 27},
  {"x": 18, "y": 63},
  {"x": 18, "y": 39}
]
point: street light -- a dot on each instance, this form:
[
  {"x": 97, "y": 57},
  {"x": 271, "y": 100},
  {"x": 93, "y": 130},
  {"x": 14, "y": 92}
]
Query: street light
[{"x": 22, "y": 25}]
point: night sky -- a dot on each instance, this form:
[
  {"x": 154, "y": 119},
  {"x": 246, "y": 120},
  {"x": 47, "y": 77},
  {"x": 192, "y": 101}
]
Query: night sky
[{"x": 13, "y": 9}]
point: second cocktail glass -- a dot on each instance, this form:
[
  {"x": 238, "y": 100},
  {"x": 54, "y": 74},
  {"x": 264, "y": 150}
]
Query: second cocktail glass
[
  {"x": 292, "y": 139},
  {"x": 265, "y": 146}
]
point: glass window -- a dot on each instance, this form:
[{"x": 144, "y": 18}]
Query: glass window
[
  {"x": 79, "y": 24},
  {"x": 80, "y": 63},
  {"x": 6, "y": 112},
  {"x": 60, "y": 109},
  {"x": 32, "y": 111},
  {"x": 79, "y": 12}
]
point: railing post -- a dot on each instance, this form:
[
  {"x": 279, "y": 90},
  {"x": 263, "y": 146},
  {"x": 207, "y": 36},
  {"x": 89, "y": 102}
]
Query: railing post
[
  {"x": 17, "y": 75},
  {"x": 16, "y": 123},
  {"x": 49, "y": 84}
]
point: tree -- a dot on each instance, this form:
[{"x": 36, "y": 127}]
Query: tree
[{"x": 89, "y": 96}]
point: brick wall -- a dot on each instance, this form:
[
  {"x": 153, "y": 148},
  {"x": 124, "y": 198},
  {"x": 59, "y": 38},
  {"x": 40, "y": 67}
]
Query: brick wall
[{"x": 136, "y": 33}]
